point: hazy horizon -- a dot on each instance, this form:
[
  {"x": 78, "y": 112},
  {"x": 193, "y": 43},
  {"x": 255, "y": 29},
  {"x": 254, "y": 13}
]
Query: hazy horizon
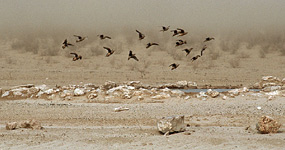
[{"x": 87, "y": 16}]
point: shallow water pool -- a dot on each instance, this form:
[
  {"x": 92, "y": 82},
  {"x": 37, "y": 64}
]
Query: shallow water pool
[{"x": 205, "y": 90}]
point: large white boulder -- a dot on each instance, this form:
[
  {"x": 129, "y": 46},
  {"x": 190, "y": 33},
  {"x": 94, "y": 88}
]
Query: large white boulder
[{"x": 171, "y": 124}]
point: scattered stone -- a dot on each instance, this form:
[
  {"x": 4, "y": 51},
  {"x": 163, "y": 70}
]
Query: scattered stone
[
  {"x": 171, "y": 124},
  {"x": 271, "y": 88},
  {"x": 224, "y": 97},
  {"x": 213, "y": 93},
  {"x": 79, "y": 92},
  {"x": 5, "y": 94},
  {"x": 161, "y": 96},
  {"x": 30, "y": 124},
  {"x": 140, "y": 98},
  {"x": 11, "y": 125},
  {"x": 267, "y": 125},
  {"x": 118, "y": 109},
  {"x": 92, "y": 96}
]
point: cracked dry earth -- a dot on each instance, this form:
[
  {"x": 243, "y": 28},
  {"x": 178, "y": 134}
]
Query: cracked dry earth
[{"x": 211, "y": 124}]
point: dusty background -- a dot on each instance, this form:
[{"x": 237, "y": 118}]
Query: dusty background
[{"x": 249, "y": 43}]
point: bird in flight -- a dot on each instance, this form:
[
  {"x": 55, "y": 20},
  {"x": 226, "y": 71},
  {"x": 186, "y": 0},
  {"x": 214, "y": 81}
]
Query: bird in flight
[
  {"x": 180, "y": 42},
  {"x": 66, "y": 44},
  {"x": 131, "y": 55},
  {"x": 173, "y": 66},
  {"x": 110, "y": 51},
  {"x": 141, "y": 36},
  {"x": 181, "y": 32},
  {"x": 175, "y": 32},
  {"x": 80, "y": 38},
  {"x": 209, "y": 39},
  {"x": 203, "y": 49},
  {"x": 150, "y": 44},
  {"x": 165, "y": 28},
  {"x": 76, "y": 56},
  {"x": 102, "y": 37},
  {"x": 195, "y": 57},
  {"x": 188, "y": 51}
]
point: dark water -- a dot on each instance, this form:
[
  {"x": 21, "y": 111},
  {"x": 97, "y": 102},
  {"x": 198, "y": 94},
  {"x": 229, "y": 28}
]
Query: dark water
[{"x": 205, "y": 90}]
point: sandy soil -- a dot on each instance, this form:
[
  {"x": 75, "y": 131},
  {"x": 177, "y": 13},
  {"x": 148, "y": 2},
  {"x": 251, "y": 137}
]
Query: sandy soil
[{"x": 212, "y": 124}]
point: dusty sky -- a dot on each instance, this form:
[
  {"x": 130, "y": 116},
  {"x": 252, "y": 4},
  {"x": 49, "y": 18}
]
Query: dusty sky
[{"x": 114, "y": 15}]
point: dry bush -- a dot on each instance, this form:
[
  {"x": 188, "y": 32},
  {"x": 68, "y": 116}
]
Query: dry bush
[
  {"x": 234, "y": 63},
  {"x": 243, "y": 55},
  {"x": 262, "y": 53},
  {"x": 10, "y": 61}
]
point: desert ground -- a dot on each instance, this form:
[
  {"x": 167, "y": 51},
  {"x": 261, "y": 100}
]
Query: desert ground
[{"x": 78, "y": 124}]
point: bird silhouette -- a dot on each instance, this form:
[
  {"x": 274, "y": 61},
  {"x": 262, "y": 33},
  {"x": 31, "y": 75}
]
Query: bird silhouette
[
  {"x": 80, "y": 38},
  {"x": 181, "y": 32},
  {"x": 141, "y": 36},
  {"x": 102, "y": 37},
  {"x": 188, "y": 51},
  {"x": 76, "y": 56},
  {"x": 180, "y": 42},
  {"x": 165, "y": 28},
  {"x": 110, "y": 51},
  {"x": 150, "y": 44},
  {"x": 209, "y": 39},
  {"x": 175, "y": 32},
  {"x": 66, "y": 44},
  {"x": 173, "y": 66},
  {"x": 203, "y": 49},
  {"x": 195, "y": 57},
  {"x": 131, "y": 55}
]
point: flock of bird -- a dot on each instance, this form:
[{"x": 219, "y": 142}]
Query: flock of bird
[{"x": 176, "y": 32}]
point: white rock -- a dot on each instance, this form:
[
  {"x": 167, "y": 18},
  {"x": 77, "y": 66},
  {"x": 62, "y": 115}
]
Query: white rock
[
  {"x": 182, "y": 83},
  {"x": 187, "y": 97},
  {"x": 17, "y": 92},
  {"x": 192, "y": 84},
  {"x": 40, "y": 93},
  {"x": 161, "y": 96},
  {"x": 178, "y": 93},
  {"x": 224, "y": 97},
  {"x": 92, "y": 96},
  {"x": 273, "y": 93},
  {"x": 212, "y": 93},
  {"x": 49, "y": 91},
  {"x": 5, "y": 94},
  {"x": 258, "y": 107},
  {"x": 271, "y": 88},
  {"x": 140, "y": 98},
  {"x": 165, "y": 90},
  {"x": 270, "y": 78},
  {"x": 172, "y": 124},
  {"x": 42, "y": 87},
  {"x": 202, "y": 95},
  {"x": 137, "y": 93},
  {"x": 133, "y": 83},
  {"x": 78, "y": 92},
  {"x": 118, "y": 109}
]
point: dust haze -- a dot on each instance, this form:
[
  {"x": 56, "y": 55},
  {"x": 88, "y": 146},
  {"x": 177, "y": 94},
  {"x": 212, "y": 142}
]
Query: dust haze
[{"x": 243, "y": 30}]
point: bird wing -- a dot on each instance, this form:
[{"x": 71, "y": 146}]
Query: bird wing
[
  {"x": 130, "y": 53},
  {"x": 108, "y": 49},
  {"x": 138, "y": 31},
  {"x": 65, "y": 41},
  {"x": 74, "y": 54},
  {"x": 135, "y": 57},
  {"x": 78, "y": 36}
]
